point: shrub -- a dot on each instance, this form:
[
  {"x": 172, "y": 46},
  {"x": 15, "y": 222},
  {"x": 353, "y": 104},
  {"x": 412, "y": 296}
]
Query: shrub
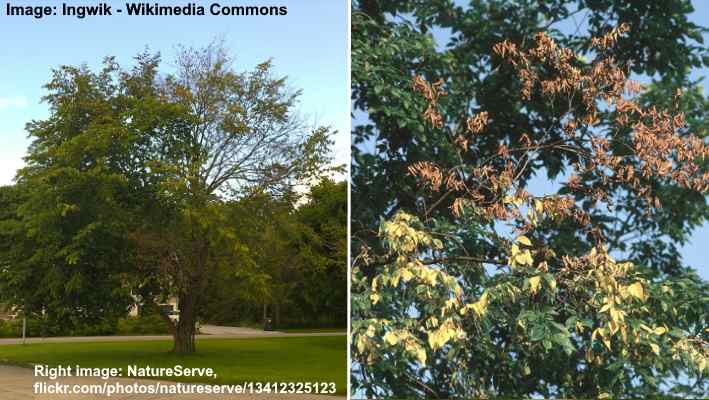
[
  {"x": 10, "y": 329},
  {"x": 145, "y": 325}
]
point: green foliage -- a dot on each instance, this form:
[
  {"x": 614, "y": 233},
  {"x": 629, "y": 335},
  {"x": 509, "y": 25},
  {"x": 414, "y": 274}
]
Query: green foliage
[
  {"x": 38, "y": 327},
  {"x": 295, "y": 266},
  {"x": 127, "y": 184},
  {"x": 322, "y": 291},
  {"x": 427, "y": 326},
  {"x": 10, "y": 329},
  {"x": 150, "y": 324}
]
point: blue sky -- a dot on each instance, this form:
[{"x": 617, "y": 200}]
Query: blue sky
[
  {"x": 692, "y": 252},
  {"x": 309, "y": 45}
]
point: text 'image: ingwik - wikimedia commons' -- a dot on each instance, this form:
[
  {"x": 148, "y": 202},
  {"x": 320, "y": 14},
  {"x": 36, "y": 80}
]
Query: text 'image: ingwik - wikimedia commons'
[
  {"x": 354, "y": 199},
  {"x": 174, "y": 200}
]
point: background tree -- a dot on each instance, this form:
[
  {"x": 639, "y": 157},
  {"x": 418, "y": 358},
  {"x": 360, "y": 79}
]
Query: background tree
[
  {"x": 65, "y": 249},
  {"x": 447, "y": 304},
  {"x": 127, "y": 178},
  {"x": 322, "y": 292},
  {"x": 297, "y": 249},
  {"x": 254, "y": 219}
]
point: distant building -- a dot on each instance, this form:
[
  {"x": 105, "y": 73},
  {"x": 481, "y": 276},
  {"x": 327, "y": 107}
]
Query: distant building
[
  {"x": 7, "y": 312},
  {"x": 169, "y": 308}
]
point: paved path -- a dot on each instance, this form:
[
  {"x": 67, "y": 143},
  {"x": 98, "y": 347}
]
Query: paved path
[
  {"x": 235, "y": 331},
  {"x": 209, "y": 332},
  {"x": 17, "y": 384}
]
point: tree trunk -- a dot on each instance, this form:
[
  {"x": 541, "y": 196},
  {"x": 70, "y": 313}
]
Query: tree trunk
[
  {"x": 277, "y": 312},
  {"x": 184, "y": 334}
]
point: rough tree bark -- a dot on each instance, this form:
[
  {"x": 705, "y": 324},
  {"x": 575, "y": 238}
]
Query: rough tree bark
[
  {"x": 277, "y": 311},
  {"x": 184, "y": 333}
]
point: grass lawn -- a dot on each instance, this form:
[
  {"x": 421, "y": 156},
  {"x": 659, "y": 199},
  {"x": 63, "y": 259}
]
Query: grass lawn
[{"x": 235, "y": 361}]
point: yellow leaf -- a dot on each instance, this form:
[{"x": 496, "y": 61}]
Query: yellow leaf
[
  {"x": 579, "y": 327},
  {"x": 655, "y": 348},
  {"x": 604, "y": 396},
  {"x": 524, "y": 258},
  {"x": 538, "y": 206},
  {"x": 406, "y": 275},
  {"x": 607, "y": 342},
  {"x": 617, "y": 315},
  {"x": 660, "y": 330},
  {"x": 552, "y": 284},
  {"x": 534, "y": 283},
  {"x": 524, "y": 240},
  {"x": 417, "y": 351},
  {"x": 395, "y": 279},
  {"x": 441, "y": 336},
  {"x": 514, "y": 250},
  {"x": 391, "y": 338},
  {"x": 480, "y": 306},
  {"x": 517, "y": 201},
  {"x": 636, "y": 290},
  {"x": 532, "y": 217},
  {"x": 375, "y": 284},
  {"x": 361, "y": 343},
  {"x": 428, "y": 275},
  {"x": 450, "y": 303},
  {"x": 544, "y": 267},
  {"x": 421, "y": 355},
  {"x": 614, "y": 327},
  {"x": 604, "y": 337},
  {"x": 375, "y": 298},
  {"x": 433, "y": 339},
  {"x": 596, "y": 332}
]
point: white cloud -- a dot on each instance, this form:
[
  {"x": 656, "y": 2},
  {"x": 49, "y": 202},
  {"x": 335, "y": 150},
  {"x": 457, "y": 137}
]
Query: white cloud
[
  {"x": 14, "y": 147},
  {"x": 8, "y": 169},
  {"x": 13, "y": 102}
]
